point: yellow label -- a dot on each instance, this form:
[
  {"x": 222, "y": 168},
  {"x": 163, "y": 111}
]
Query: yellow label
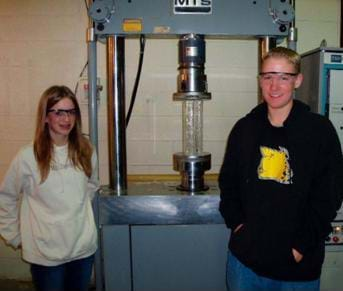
[
  {"x": 132, "y": 25},
  {"x": 274, "y": 165}
]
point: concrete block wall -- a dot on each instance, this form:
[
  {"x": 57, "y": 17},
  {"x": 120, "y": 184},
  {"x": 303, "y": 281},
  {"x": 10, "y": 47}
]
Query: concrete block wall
[{"x": 42, "y": 42}]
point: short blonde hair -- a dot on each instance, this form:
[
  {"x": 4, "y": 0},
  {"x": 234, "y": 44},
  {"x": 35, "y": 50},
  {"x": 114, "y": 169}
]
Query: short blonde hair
[{"x": 281, "y": 52}]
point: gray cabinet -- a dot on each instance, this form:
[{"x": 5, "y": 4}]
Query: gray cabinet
[{"x": 183, "y": 250}]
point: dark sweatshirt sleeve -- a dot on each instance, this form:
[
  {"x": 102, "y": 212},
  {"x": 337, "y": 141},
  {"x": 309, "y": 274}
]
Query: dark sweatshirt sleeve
[
  {"x": 325, "y": 195},
  {"x": 230, "y": 204}
]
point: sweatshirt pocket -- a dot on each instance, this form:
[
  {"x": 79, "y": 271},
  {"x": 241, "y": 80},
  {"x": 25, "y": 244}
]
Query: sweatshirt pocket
[
  {"x": 241, "y": 243},
  {"x": 265, "y": 251},
  {"x": 274, "y": 251},
  {"x": 66, "y": 238}
]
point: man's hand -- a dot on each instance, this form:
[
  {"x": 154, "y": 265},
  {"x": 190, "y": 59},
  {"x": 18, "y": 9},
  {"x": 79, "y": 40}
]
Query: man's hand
[{"x": 297, "y": 256}]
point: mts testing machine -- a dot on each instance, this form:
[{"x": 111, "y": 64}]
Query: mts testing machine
[{"x": 174, "y": 240}]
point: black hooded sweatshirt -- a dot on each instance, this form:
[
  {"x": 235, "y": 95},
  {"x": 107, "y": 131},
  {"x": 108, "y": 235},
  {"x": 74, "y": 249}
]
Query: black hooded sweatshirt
[{"x": 284, "y": 184}]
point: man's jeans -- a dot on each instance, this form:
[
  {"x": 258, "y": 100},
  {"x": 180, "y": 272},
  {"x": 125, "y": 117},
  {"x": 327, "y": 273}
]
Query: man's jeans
[{"x": 241, "y": 278}]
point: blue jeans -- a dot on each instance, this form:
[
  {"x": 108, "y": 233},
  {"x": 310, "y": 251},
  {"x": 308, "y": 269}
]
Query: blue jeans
[
  {"x": 71, "y": 276},
  {"x": 241, "y": 278}
]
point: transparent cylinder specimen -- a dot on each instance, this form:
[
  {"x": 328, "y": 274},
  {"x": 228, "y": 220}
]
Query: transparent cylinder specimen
[{"x": 192, "y": 127}]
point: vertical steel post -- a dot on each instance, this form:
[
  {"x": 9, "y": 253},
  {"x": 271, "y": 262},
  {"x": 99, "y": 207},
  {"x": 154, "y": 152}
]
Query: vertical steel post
[
  {"x": 293, "y": 32},
  {"x": 265, "y": 44},
  {"x": 116, "y": 114},
  {"x": 93, "y": 130},
  {"x": 92, "y": 88}
]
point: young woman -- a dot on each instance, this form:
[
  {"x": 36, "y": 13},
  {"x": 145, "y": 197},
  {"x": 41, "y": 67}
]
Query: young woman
[{"x": 54, "y": 180}]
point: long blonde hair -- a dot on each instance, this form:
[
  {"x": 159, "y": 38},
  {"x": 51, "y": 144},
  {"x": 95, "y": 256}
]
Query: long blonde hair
[{"x": 79, "y": 148}]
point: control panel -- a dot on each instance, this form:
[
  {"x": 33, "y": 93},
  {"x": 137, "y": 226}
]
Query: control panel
[
  {"x": 334, "y": 241},
  {"x": 336, "y": 236}
]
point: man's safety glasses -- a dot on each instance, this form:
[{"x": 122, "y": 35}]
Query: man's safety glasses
[{"x": 281, "y": 77}]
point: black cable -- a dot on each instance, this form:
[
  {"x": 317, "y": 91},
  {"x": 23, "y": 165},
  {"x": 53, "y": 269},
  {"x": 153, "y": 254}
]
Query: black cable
[
  {"x": 81, "y": 74},
  {"x": 77, "y": 86},
  {"x": 86, "y": 64},
  {"x": 138, "y": 75}
]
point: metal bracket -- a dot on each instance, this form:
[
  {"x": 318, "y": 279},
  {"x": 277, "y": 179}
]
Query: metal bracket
[
  {"x": 281, "y": 11},
  {"x": 101, "y": 10}
]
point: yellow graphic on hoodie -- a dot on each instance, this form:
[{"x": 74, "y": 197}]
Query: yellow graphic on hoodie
[{"x": 274, "y": 165}]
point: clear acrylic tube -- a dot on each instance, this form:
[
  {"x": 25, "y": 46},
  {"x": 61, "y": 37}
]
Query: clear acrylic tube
[{"x": 192, "y": 127}]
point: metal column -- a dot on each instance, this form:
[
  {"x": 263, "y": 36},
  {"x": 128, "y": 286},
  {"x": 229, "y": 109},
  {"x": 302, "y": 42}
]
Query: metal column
[
  {"x": 116, "y": 114},
  {"x": 293, "y": 32}
]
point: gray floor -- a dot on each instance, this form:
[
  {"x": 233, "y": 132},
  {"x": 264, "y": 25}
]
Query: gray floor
[{"x": 13, "y": 285}]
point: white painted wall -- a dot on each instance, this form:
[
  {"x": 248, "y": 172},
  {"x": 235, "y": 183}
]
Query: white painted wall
[{"x": 42, "y": 42}]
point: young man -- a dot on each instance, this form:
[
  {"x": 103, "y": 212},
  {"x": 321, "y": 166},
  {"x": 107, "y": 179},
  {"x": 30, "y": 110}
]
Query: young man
[{"x": 281, "y": 184}]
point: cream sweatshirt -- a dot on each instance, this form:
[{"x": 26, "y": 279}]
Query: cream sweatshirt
[{"x": 53, "y": 221}]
